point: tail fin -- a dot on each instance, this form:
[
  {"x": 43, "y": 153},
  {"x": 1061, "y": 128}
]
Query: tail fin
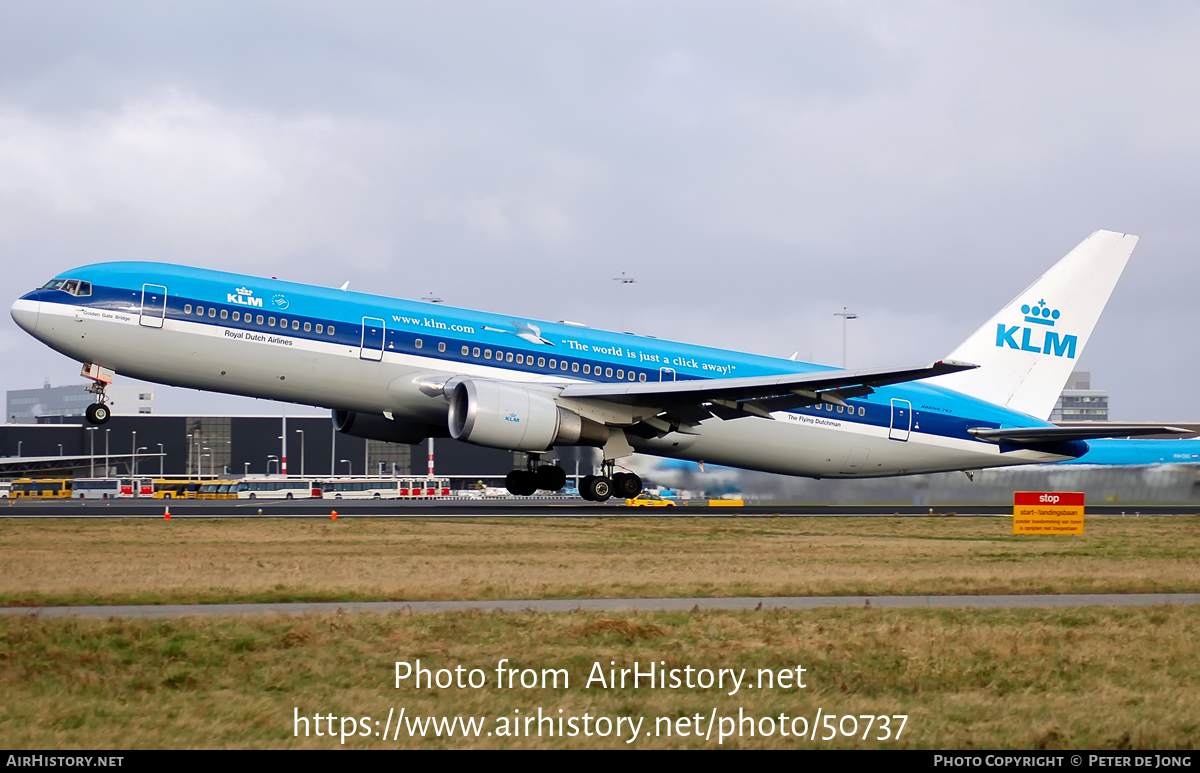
[{"x": 1028, "y": 350}]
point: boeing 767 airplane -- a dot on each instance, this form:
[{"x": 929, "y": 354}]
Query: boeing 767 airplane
[{"x": 403, "y": 371}]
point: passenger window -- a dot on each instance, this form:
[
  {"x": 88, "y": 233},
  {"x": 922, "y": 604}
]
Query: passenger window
[
  {"x": 321, "y": 328},
  {"x": 487, "y": 354},
  {"x": 199, "y": 311},
  {"x": 295, "y": 324},
  {"x": 237, "y": 315},
  {"x": 553, "y": 364},
  {"x": 509, "y": 357},
  {"x": 839, "y": 409},
  {"x": 621, "y": 374},
  {"x": 441, "y": 346},
  {"x": 586, "y": 368},
  {"x": 829, "y": 407},
  {"x": 466, "y": 350},
  {"x": 574, "y": 366},
  {"x": 862, "y": 411},
  {"x": 187, "y": 308},
  {"x": 307, "y": 327},
  {"x": 631, "y": 376},
  {"x": 641, "y": 377},
  {"x": 329, "y": 330},
  {"x": 224, "y": 314},
  {"x": 542, "y": 362},
  {"x": 259, "y": 319},
  {"x": 607, "y": 372},
  {"x": 283, "y": 324},
  {"x": 270, "y": 322},
  {"x": 418, "y": 343},
  {"x": 212, "y": 312},
  {"x": 563, "y": 365},
  {"x": 520, "y": 359}
]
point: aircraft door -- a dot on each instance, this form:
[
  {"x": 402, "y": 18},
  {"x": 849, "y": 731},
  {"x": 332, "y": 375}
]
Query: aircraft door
[
  {"x": 154, "y": 305},
  {"x": 373, "y": 334},
  {"x": 901, "y": 420},
  {"x": 666, "y": 374}
]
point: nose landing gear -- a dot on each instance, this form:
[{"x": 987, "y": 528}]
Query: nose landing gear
[{"x": 98, "y": 412}]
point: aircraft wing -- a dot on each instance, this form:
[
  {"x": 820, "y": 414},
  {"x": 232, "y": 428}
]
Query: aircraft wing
[
  {"x": 1035, "y": 435},
  {"x": 758, "y": 395}
]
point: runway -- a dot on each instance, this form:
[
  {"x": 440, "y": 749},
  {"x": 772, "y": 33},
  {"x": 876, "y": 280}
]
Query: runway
[
  {"x": 391, "y": 508},
  {"x": 623, "y": 605}
]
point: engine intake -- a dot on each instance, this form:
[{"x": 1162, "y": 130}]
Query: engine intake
[
  {"x": 514, "y": 417},
  {"x": 376, "y": 426}
]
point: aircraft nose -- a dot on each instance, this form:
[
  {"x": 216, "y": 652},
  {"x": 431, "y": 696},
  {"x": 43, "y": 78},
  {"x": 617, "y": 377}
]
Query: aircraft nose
[{"x": 25, "y": 313}]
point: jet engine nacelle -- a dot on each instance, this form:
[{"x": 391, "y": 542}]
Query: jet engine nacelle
[
  {"x": 512, "y": 416},
  {"x": 376, "y": 426}
]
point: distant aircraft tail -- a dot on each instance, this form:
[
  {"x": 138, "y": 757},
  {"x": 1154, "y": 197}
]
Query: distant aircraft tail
[{"x": 1028, "y": 350}]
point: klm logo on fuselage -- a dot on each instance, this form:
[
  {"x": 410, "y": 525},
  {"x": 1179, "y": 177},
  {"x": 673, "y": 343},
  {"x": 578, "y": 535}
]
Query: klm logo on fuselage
[
  {"x": 1049, "y": 342},
  {"x": 243, "y": 297}
]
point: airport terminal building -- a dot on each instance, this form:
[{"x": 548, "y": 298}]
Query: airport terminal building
[{"x": 234, "y": 446}]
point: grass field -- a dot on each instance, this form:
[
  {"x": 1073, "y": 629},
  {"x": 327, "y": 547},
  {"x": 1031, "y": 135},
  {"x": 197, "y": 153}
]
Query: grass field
[
  {"x": 155, "y": 561},
  {"x": 1092, "y": 678}
]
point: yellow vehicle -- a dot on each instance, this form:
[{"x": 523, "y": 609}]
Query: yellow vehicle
[
  {"x": 646, "y": 499},
  {"x": 216, "y": 489},
  {"x": 176, "y": 489},
  {"x": 42, "y": 488}
]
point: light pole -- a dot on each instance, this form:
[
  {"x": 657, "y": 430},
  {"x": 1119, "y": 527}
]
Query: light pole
[
  {"x": 19, "y": 442},
  {"x": 209, "y": 455},
  {"x": 60, "y": 449},
  {"x": 91, "y": 451},
  {"x": 246, "y": 472},
  {"x": 624, "y": 280},
  {"x": 106, "y": 468},
  {"x": 272, "y": 458},
  {"x": 300, "y": 432},
  {"x": 133, "y": 445},
  {"x": 162, "y": 455},
  {"x": 349, "y": 467},
  {"x": 332, "y": 450},
  {"x": 135, "y": 453},
  {"x": 845, "y": 315}
]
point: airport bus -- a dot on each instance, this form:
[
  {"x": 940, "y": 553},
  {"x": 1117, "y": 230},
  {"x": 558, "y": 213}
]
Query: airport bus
[
  {"x": 42, "y": 488},
  {"x": 218, "y": 489},
  {"x": 385, "y": 488},
  {"x": 5, "y": 489},
  {"x": 176, "y": 489},
  {"x": 112, "y": 488},
  {"x": 279, "y": 488}
]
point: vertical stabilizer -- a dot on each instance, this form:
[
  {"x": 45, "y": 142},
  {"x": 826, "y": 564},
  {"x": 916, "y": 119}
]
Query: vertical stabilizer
[{"x": 1027, "y": 351}]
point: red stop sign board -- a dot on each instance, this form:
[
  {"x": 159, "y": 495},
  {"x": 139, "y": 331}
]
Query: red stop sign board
[{"x": 1048, "y": 512}]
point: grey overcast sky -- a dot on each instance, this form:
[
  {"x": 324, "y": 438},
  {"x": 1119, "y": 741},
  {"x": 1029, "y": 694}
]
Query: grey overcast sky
[{"x": 756, "y": 166}]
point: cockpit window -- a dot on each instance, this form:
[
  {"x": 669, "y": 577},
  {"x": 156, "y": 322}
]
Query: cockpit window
[{"x": 72, "y": 286}]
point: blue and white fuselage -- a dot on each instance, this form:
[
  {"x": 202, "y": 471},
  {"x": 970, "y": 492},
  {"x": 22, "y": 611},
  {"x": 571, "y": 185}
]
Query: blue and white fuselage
[{"x": 383, "y": 357}]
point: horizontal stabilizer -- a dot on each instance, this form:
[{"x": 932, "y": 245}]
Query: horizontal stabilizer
[{"x": 1036, "y": 435}]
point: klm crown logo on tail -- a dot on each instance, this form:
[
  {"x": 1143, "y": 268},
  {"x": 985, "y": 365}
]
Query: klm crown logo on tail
[{"x": 1043, "y": 316}]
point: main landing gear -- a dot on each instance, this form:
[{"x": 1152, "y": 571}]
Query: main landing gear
[
  {"x": 599, "y": 488},
  {"x": 593, "y": 488},
  {"x": 544, "y": 477}
]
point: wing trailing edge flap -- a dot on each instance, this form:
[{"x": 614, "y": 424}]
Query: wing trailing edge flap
[
  {"x": 1031, "y": 436},
  {"x": 683, "y": 404}
]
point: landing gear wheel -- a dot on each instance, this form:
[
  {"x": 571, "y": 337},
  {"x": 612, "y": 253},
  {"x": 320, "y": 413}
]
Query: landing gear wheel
[
  {"x": 97, "y": 413},
  {"x": 585, "y": 487},
  {"x": 598, "y": 489},
  {"x": 521, "y": 483},
  {"x": 626, "y": 485},
  {"x": 551, "y": 477}
]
